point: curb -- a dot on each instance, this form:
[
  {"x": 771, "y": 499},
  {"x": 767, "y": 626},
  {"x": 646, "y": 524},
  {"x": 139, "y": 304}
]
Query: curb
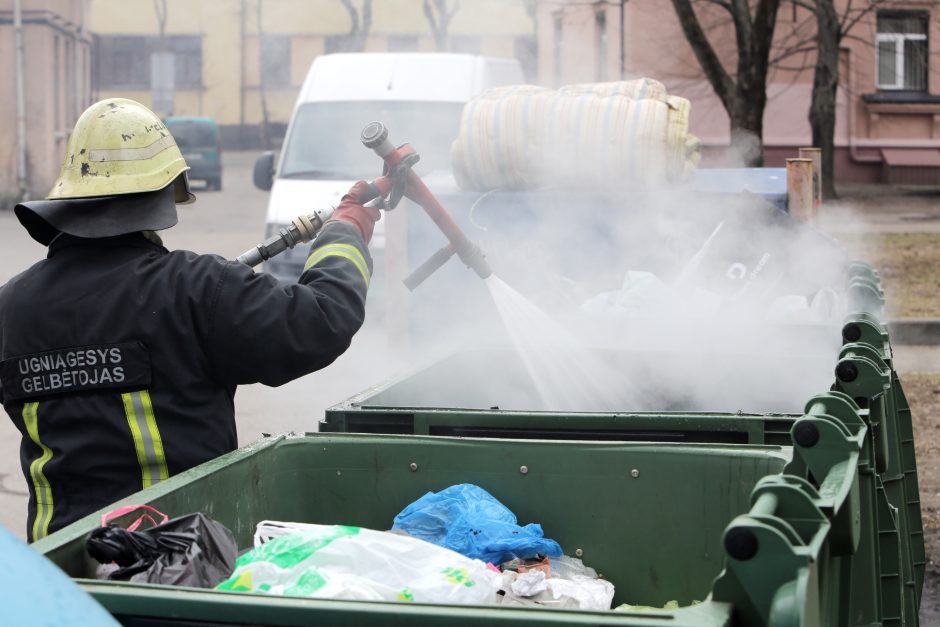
[{"x": 915, "y": 331}]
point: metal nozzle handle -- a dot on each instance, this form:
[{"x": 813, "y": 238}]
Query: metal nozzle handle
[{"x": 429, "y": 267}]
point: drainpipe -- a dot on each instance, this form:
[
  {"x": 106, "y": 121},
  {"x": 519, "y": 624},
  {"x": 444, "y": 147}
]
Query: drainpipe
[
  {"x": 241, "y": 79},
  {"x": 623, "y": 47},
  {"x": 852, "y": 130},
  {"x": 21, "y": 174},
  {"x": 79, "y": 76}
]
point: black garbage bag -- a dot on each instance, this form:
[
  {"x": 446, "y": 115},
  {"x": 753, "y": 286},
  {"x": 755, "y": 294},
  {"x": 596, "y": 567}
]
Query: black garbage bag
[{"x": 191, "y": 550}]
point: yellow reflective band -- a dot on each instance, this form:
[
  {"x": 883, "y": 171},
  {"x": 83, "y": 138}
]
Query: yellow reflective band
[
  {"x": 155, "y": 436},
  {"x": 346, "y": 251},
  {"x": 147, "y": 441},
  {"x": 41, "y": 487}
]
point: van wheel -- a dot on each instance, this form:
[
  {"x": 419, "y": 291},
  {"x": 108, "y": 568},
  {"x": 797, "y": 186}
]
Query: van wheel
[{"x": 215, "y": 184}]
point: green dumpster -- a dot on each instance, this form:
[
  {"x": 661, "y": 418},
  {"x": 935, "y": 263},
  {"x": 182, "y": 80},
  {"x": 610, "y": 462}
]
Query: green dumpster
[
  {"x": 648, "y": 518},
  {"x": 809, "y": 517}
]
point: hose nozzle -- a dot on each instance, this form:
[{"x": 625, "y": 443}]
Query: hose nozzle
[{"x": 475, "y": 259}]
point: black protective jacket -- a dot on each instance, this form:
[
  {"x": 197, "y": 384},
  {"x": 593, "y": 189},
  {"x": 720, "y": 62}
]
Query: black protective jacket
[{"x": 119, "y": 359}]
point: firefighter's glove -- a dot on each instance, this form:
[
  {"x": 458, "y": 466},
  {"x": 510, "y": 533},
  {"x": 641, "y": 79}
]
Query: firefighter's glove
[{"x": 352, "y": 211}]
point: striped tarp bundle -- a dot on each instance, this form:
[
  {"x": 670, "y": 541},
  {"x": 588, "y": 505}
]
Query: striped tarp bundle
[{"x": 618, "y": 134}]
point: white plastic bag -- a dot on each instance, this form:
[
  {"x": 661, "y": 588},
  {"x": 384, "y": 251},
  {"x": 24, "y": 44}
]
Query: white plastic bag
[
  {"x": 335, "y": 562},
  {"x": 572, "y": 585}
]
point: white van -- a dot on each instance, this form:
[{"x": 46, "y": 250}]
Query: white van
[{"x": 419, "y": 97}]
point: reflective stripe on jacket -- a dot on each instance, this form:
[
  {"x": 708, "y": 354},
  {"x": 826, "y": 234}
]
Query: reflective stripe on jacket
[{"x": 119, "y": 359}]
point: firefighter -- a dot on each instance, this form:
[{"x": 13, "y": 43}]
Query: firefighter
[{"x": 119, "y": 359}]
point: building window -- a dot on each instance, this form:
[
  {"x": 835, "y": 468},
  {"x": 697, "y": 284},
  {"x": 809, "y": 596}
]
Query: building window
[
  {"x": 187, "y": 60},
  {"x": 402, "y": 43},
  {"x": 902, "y": 50},
  {"x": 275, "y": 60},
  {"x": 123, "y": 61},
  {"x": 600, "y": 20}
]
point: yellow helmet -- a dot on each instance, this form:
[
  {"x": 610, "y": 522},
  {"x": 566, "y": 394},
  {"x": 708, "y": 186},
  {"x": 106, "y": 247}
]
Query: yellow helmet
[
  {"x": 119, "y": 146},
  {"x": 123, "y": 172}
]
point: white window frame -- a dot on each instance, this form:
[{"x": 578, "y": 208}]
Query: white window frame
[{"x": 898, "y": 39}]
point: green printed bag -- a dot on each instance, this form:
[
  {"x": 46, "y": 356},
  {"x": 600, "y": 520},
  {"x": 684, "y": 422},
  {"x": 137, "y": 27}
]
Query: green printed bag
[{"x": 336, "y": 562}]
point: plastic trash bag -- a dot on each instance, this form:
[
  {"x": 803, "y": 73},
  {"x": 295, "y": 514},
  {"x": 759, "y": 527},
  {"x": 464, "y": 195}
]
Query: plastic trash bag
[
  {"x": 336, "y": 562},
  {"x": 571, "y": 585},
  {"x": 191, "y": 550},
  {"x": 468, "y": 519}
]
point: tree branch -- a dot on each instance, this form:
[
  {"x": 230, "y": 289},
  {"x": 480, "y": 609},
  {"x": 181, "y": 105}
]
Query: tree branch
[
  {"x": 724, "y": 4},
  {"x": 791, "y": 52},
  {"x": 765, "y": 20},
  {"x": 439, "y": 14},
  {"x": 847, "y": 25},
  {"x": 159, "y": 6},
  {"x": 353, "y": 14},
  {"x": 721, "y": 82},
  {"x": 741, "y": 14}
]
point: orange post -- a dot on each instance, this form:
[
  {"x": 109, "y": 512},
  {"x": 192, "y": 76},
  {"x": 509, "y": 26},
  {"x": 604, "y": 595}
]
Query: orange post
[
  {"x": 800, "y": 189},
  {"x": 815, "y": 155}
]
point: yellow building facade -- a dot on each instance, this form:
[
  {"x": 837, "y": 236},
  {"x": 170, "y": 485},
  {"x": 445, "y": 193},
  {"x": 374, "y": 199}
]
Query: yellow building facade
[{"x": 219, "y": 49}]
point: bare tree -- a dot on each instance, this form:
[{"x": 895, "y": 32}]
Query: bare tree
[
  {"x": 361, "y": 24},
  {"x": 822, "y": 109},
  {"x": 831, "y": 29},
  {"x": 162, "y": 71},
  {"x": 817, "y": 42},
  {"x": 439, "y": 14},
  {"x": 744, "y": 94},
  {"x": 531, "y": 8},
  {"x": 159, "y": 6}
]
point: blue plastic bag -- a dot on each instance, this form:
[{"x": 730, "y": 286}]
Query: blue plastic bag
[{"x": 467, "y": 519}]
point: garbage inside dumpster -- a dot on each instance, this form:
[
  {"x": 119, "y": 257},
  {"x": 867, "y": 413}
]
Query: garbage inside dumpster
[
  {"x": 191, "y": 550},
  {"x": 568, "y": 583},
  {"x": 468, "y": 519},
  {"x": 443, "y": 548},
  {"x": 343, "y": 562},
  {"x": 340, "y": 562}
]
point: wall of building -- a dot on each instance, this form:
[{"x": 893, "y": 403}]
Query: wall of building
[
  {"x": 57, "y": 87},
  {"x": 231, "y": 46}
]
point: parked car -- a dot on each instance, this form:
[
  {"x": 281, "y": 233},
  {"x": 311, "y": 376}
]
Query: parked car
[
  {"x": 419, "y": 96},
  {"x": 201, "y": 145}
]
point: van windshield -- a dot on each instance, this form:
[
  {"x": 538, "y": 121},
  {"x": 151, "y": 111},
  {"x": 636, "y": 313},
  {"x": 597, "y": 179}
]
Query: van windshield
[{"x": 324, "y": 139}]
